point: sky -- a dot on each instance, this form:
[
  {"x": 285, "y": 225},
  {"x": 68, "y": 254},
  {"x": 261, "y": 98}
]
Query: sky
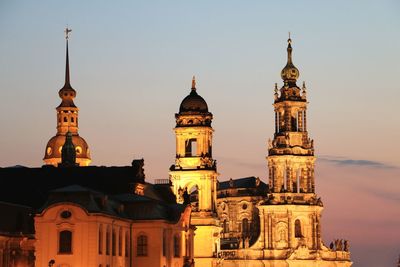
[{"x": 132, "y": 62}]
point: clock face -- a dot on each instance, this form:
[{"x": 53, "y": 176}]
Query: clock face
[{"x": 49, "y": 151}]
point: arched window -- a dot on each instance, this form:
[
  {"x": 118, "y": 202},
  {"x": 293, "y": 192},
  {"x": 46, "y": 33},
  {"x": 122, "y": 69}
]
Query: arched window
[
  {"x": 297, "y": 229},
  {"x": 108, "y": 240},
  {"x": 101, "y": 239},
  {"x": 120, "y": 242},
  {"x": 126, "y": 244},
  {"x": 114, "y": 243},
  {"x": 72, "y": 119},
  {"x": 191, "y": 148},
  {"x": 65, "y": 242},
  {"x": 141, "y": 245},
  {"x": 65, "y": 119},
  {"x": 177, "y": 246},
  {"x": 245, "y": 227}
]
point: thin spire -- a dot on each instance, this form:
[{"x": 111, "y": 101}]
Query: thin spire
[
  {"x": 194, "y": 83},
  {"x": 289, "y": 50},
  {"x": 67, "y": 79}
]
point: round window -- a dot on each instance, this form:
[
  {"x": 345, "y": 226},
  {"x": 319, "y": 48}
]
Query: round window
[
  {"x": 78, "y": 150},
  {"x": 66, "y": 214},
  {"x": 49, "y": 151},
  {"x": 244, "y": 206}
]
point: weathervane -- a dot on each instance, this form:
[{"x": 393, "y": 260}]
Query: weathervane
[{"x": 67, "y": 31}]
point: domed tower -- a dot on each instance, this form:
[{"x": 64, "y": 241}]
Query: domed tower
[
  {"x": 291, "y": 214},
  {"x": 195, "y": 172},
  {"x": 291, "y": 153},
  {"x": 67, "y": 121}
]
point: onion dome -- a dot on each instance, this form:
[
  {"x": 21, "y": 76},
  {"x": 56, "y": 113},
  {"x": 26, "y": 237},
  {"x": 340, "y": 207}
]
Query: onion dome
[
  {"x": 290, "y": 73},
  {"x": 193, "y": 103}
]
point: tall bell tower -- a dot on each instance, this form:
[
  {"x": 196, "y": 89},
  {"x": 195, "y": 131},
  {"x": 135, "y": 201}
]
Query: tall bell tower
[
  {"x": 290, "y": 217},
  {"x": 291, "y": 153},
  {"x": 195, "y": 172},
  {"x": 292, "y": 198},
  {"x": 67, "y": 121}
]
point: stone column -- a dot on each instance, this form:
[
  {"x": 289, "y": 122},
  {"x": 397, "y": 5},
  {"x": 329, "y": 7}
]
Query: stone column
[
  {"x": 268, "y": 231},
  {"x": 262, "y": 229},
  {"x": 300, "y": 120},
  {"x": 303, "y": 180},
  {"x": 289, "y": 221},
  {"x": 287, "y": 120},
  {"x": 305, "y": 121},
  {"x": 289, "y": 182}
]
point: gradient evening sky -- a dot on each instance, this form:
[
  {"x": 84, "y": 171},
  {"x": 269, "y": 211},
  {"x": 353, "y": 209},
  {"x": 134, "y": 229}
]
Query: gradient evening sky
[{"x": 132, "y": 63}]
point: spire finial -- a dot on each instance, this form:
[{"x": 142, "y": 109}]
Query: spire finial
[
  {"x": 67, "y": 31},
  {"x": 289, "y": 49},
  {"x": 193, "y": 83},
  {"x": 290, "y": 73},
  {"x": 67, "y": 80}
]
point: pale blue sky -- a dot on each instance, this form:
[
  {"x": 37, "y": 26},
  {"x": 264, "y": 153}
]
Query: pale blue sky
[{"x": 132, "y": 62}]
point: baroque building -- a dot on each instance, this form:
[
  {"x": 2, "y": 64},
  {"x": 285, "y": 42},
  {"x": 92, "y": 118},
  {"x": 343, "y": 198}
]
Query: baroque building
[
  {"x": 110, "y": 216},
  {"x": 195, "y": 171},
  {"x": 289, "y": 232},
  {"x": 67, "y": 121},
  {"x": 237, "y": 201},
  {"x": 79, "y": 226}
]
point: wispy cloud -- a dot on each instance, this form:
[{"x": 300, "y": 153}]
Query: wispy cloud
[
  {"x": 241, "y": 162},
  {"x": 354, "y": 162}
]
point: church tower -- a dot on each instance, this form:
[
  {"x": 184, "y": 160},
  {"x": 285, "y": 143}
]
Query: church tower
[
  {"x": 290, "y": 216},
  {"x": 291, "y": 153},
  {"x": 67, "y": 121},
  {"x": 194, "y": 174}
]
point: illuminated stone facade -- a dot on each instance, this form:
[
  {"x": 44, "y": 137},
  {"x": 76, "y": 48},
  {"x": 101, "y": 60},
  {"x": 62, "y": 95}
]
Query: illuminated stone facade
[
  {"x": 195, "y": 172},
  {"x": 237, "y": 201},
  {"x": 240, "y": 222},
  {"x": 290, "y": 216},
  {"x": 81, "y": 227},
  {"x": 67, "y": 121}
]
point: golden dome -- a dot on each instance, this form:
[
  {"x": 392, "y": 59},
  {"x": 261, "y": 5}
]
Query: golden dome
[{"x": 54, "y": 146}]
